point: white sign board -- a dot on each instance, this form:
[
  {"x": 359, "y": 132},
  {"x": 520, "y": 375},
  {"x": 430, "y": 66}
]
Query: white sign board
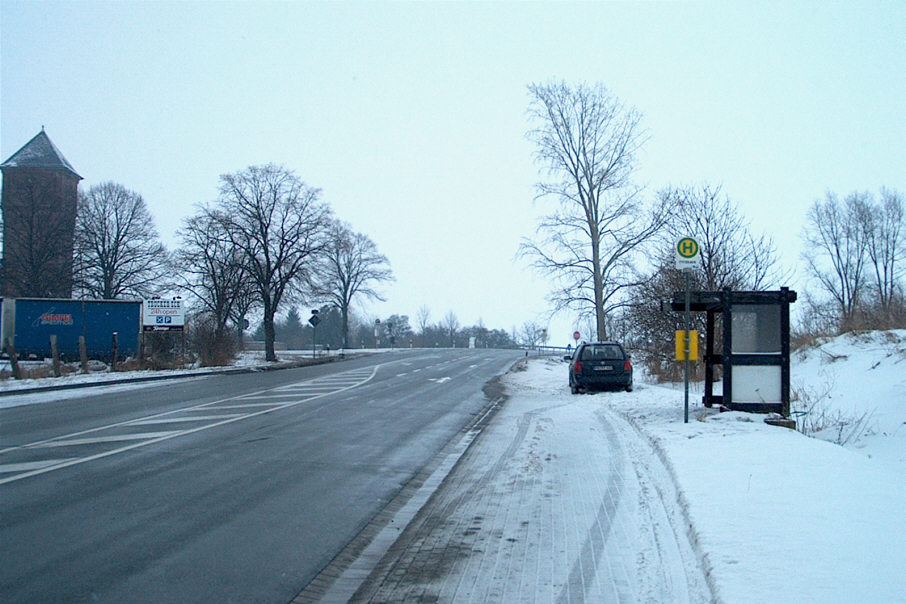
[
  {"x": 163, "y": 315},
  {"x": 688, "y": 253}
]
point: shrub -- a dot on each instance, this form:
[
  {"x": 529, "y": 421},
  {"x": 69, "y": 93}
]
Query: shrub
[
  {"x": 213, "y": 347},
  {"x": 815, "y": 417}
]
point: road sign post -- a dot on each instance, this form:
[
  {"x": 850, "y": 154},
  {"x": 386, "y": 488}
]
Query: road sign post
[
  {"x": 688, "y": 257},
  {"x": 314, "y": 319}
]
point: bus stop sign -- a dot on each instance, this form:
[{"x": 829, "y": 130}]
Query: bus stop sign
[{"x": 687, "y": 253}]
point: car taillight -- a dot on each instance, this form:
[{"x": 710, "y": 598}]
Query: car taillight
[
  {"x": 577, "y": 366},
  {"x": 627, "y": 365}
]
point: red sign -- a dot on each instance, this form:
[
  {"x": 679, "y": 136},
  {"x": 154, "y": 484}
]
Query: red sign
[{"x": 576, "y": 336}]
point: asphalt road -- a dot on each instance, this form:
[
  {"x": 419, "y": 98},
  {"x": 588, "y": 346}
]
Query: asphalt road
[{"x": 232, "y": 488}]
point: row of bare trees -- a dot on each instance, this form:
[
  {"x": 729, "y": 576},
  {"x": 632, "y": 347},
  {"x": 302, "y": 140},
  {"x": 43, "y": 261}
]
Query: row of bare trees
[
  {"x": 855, "y": 253},
  {"x": 266, "y": 244},
  {"x": 269, "y": 238},
  {"x": 392, "y": 331},
  {"x": 276, "y": 241},
  {"x": 607, "y": 246}
]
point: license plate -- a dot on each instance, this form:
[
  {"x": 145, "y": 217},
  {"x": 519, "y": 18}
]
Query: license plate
[{"x": 605, "y": 368}]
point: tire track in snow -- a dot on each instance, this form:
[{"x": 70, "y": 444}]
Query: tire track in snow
[
  {"x": 587, "y": 569},
  {"x": 654, "y": 471},
  {"x": 552, "y": 503}
]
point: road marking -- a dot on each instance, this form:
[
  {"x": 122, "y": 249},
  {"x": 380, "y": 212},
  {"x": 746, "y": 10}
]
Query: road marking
[
  {"x": 107, "y": 439},
  {"x": 176, "y": 420},
  {"x": 258, "y": 397},
  {"x": 363, "y": 376},
  {"x": 307, "y": 388},
  {"x": 273, "y": 405},
  {"x": 6, "y": 468},
  {"x": 440, "y": 380}
]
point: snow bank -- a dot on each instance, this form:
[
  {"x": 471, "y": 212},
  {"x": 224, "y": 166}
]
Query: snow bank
[
  {"x": 784, "y": 517},
  {"x": 780, "y": 516},
  {"x": 851, "y": 378}
]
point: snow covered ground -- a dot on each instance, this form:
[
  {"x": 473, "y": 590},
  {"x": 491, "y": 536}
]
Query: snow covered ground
[
  {"x": 776, "y": 515},
  {"x": 862, "y": 378}
]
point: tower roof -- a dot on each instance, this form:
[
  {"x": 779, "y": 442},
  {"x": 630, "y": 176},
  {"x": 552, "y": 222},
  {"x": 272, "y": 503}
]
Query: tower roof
[{"x": 39, "y": 152}]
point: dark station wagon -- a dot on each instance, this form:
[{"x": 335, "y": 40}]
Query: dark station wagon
[{"x": 600, "y": 366}]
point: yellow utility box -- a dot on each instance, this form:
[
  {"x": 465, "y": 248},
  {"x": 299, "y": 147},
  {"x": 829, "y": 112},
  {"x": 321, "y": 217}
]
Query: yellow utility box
[{"x": 681, "y": 345}]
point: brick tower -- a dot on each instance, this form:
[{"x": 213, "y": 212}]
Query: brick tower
[{"x": 40, "y": 193}]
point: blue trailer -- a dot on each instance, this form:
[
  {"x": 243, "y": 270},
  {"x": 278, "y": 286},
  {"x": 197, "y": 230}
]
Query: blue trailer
[{"x": 28, "y": 324}]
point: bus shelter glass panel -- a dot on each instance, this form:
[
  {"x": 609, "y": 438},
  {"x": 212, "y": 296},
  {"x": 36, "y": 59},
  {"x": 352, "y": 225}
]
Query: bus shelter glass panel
[
  {"x": 756, "y": 384},
  {"x": 755, "y": 329}
]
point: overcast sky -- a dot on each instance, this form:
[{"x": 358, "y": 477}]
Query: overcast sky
[{"x": 411, "y": 117}]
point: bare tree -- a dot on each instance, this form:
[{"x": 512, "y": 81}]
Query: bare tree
[
  {"x": 213, "y": 269},
  {"x": 481, "y": 333},
  {"x": 731, "y": 254},
  {"x": 836, "y": 248},
  {"x": 531, "y": 334},
  {"x": 246, "y": 299},
  {"x": 352, "y": 267},
  {"x": 118, "y": 250},
  {"x": 885, "y": 247},
  {"x": 450, "y": 325},
  {"x": 280, "y": 226},
  {"x": 587, "y": 140},
  {"x": 423, "y": 319}
]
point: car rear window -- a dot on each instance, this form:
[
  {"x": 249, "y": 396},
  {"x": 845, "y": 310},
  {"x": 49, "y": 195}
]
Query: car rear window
[{"x": 604, "y": 352}]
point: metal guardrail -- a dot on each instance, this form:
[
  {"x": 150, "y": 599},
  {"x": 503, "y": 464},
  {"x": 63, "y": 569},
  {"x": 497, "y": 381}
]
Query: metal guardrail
[{"x": 547, "y": 350}]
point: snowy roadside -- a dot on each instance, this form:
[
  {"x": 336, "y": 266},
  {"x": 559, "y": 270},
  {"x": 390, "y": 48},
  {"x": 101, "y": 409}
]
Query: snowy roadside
[
  {"x": 557, "y": 500},
  {"x": 612, "y": 498},
  {"x": 779, "y": 516}
]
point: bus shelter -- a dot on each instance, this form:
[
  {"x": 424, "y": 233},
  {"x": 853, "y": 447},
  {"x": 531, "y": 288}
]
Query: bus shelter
[{"x": 754, "y": 349}]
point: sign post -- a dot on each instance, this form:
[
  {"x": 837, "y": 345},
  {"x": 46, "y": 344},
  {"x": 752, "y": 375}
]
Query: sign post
[
  {"x": 688, "y": 257},
  {"x": 314, "y": 319}
]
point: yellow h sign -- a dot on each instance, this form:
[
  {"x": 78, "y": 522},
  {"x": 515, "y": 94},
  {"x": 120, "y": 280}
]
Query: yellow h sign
[{"x": 687, "y": 247}]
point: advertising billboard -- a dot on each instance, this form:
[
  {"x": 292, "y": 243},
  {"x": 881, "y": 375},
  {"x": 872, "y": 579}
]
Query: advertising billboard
[{"x": 163, "y": 315}]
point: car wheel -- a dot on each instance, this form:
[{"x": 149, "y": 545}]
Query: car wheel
[
  {"x": 629, "y": 388},
  {"x": 574, "y": 389}
]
